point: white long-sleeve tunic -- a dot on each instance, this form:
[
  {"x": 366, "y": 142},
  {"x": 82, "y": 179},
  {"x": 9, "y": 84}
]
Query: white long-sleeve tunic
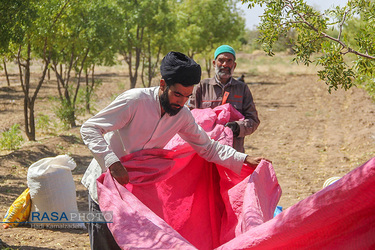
[{"x": 133, "y": 122}]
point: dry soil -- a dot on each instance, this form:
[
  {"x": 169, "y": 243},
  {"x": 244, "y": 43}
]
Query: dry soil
[{"x": 309, "y": 134}]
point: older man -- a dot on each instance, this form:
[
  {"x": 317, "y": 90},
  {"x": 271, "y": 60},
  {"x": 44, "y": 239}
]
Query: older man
[
  {"x": 223, "y": 88},
  {"x": 147, "y": 118}
]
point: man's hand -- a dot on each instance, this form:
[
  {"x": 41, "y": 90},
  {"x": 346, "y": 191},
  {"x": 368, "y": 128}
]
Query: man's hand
[
  {"x": 118, "y": 171},
  {"x": 234, "y": 127},
  {"x": 254, "y": 161}
]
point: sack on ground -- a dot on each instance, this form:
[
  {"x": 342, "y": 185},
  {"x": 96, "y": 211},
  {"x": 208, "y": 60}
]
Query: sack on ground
[
  {"x": 19, "y": 211},
  {"x": 53, "y": 194}
]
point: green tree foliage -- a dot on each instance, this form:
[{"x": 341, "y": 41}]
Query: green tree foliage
[
  {"x": 345, "y": 57},
  {"x": 157, "y": 39},
  {"x": 72, "y": 37},
  {"x": 83, "y": 38},
  {"x": 102, "y": 34},
  {"x": 70, "y": 52},
  {"x": 12, "y": 21},
  {"x": 15, "y": 15},
  {"x": 144, "y": 27},
  {"x": 203, "y": 25},
  {"x": 28, "y": 24},
  {"x": 363, "y": 25}
]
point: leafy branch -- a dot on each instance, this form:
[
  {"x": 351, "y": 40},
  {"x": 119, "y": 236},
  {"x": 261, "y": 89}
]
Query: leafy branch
[
  {"x": 323, "y": 34},
  {"x": 315, "y": 34}
]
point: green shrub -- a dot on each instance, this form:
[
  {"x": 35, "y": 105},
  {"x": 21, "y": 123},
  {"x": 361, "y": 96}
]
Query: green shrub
[
  {"x": 65, "y": 112},
  {"x": 45, "y": 124},
  {"x": 12, "y": 138}
]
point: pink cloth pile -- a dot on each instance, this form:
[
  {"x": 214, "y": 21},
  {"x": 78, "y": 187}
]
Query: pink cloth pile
[{"x": 177, "y": 200}]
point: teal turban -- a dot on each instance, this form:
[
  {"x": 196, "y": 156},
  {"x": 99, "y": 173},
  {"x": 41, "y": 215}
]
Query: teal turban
[{"x": 224, "y": 49}]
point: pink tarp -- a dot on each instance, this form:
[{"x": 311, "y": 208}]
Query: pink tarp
[
  {"x": 186, "y": 210},
  {"x": 340, "y": 216},
  {"x": 177, "y": 200}
]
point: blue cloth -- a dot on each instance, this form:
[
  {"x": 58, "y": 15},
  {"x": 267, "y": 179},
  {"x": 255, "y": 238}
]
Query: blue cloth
[{"x": 278, "y": 210}]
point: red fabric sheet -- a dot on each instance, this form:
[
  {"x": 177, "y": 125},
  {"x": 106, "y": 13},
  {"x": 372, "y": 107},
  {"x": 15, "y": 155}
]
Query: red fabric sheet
[
  {"x": 201, "y": 206},
  {"x": 340, "y": 216},
  {"x": 177, "y": 200}
]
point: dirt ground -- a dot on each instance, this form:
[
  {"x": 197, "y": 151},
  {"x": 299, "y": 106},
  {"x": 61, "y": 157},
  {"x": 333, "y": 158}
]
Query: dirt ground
[{"x": 309, "y": 134}]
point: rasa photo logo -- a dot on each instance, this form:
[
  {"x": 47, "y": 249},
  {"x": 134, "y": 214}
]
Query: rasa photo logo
[{"x": 68, "y": 219}]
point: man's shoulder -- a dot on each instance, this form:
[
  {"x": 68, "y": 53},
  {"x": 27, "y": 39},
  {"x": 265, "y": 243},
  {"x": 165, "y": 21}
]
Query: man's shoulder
[
  {"x": 237, "y": 82},
  {"x": 210, "y": 81},
  {"x": 138, "y": 94},
  {"x": 141, "y": 91}
]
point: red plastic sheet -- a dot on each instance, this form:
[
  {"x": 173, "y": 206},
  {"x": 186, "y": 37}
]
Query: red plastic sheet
[
  {"x": 201, "y": 206},
  {"x": 177, "y": 200},
  {"x": 340, "y": 216}
]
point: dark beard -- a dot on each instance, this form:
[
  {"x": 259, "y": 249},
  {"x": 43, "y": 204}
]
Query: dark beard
[{"x": 164, "y": 102}]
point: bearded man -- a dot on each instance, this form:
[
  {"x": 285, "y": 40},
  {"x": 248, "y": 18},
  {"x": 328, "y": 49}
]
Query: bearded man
[
  {"x": 147, "y": 118},
  {"x": 223, "y": 88}
]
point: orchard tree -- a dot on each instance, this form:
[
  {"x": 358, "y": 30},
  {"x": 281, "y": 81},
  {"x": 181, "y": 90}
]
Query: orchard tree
[
  {"x": 70, "y": 51},
  {"x": 345, "y": 57},
  {"x": 100, "y": 35},
  {"x": 151, "y": 28},
  {"x": 146, "y": 28},
  {"x": 25, "y": 27},
  {"x": 136, "y": 17},
  {"x": 84, "y": 38},
  {"x": 206, "y": 24},
  {"x": 160, "y": 35}
]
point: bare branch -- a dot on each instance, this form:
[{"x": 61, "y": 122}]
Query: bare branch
[
  {"x": 342, "y": 24},
  {"x": 79, "y": 76}
]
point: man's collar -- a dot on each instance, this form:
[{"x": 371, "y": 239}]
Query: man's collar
[{"x": 222, "y": 85}]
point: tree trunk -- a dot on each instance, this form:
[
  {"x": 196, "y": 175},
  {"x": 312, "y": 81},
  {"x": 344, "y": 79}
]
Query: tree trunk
[
  {"x": 128, "y": 58},
  {"x": 149, "y": 64},
  {"x": 29, "y": 102},
  {"x": 89, "y": 88},
  {"x": 73, "y": 103},
  {"x": 87, "y": 92},
  {"x": 28, "y": 107},
  {"x": 63, "y": 88},
  {"x": 6, "y": 71},
  {"x": 30, "y": 133},
  {"x": 133, "y": 78},
  {"x": 208, "y": 67}
]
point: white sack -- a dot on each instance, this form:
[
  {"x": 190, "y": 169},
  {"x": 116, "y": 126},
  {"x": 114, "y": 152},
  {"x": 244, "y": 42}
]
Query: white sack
[{"x": 52, "y": 192}]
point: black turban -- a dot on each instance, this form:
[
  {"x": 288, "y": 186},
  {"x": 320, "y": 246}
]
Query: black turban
[{"x": 178, "y": 68}]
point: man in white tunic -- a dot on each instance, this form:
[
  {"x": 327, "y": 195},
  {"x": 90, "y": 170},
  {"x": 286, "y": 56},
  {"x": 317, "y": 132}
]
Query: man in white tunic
[{"x": 146, "y": 118}]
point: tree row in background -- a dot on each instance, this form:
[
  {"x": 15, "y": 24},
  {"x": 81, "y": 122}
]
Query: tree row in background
[{"x": 70, "y": 38}]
